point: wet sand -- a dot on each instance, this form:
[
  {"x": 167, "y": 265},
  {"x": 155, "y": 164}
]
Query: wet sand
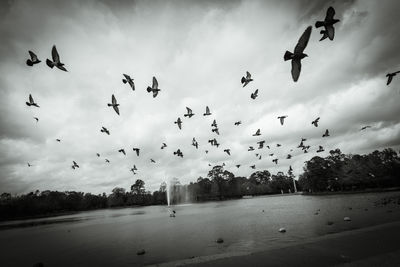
[{"x": 372, "y": 246}]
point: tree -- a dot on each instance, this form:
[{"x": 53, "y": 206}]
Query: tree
[{"x": 138, "y": 187}]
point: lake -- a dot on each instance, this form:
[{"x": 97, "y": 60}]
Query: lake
[{"x": 112, "y": 237}]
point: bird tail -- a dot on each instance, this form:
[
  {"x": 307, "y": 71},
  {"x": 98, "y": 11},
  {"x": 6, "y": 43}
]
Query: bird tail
[
  {"x": 288, "y": 55},
  {"x": 149, "y": 89},
  {"x": 124, "y": 81},
  {"x": 319, "y": 24},
  {"x": 29, "y": 62},
  {"x": 49, "y": 63}
]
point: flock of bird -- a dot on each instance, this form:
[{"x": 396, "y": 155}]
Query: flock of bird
[{"x": 296, "y": 56}]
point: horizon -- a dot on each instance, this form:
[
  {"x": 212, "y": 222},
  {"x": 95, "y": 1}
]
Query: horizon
[{"x": 198, "y": 52}]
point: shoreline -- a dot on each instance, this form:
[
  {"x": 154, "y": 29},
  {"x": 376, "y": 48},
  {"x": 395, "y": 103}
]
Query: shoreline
[{"x": 349, "y": 248}]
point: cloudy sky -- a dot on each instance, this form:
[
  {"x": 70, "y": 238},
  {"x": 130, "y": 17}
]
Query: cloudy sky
[{"x": 198, "y": 50}]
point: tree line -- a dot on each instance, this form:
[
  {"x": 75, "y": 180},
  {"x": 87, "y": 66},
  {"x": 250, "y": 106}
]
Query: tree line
[{"x": 336, "y": 172}]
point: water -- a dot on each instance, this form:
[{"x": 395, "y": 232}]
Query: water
[{"x": 112, "y": 237}]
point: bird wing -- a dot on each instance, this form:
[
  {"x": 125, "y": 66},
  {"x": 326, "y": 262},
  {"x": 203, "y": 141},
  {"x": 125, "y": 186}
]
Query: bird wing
[
  {"x": 296, "y": 69},
  {"x": 189, "y": 111},
  {"x": 256, "y": 92},
  {"x": 54, "y": 54},
  {"x": 33, "y": 56},
  {"x": 282, "y": 119},
  {"x": 330, "y": 13},
  {"x": 31, "y": 99},
  {"x": 113, "y": 100},
  {"x": 155, "y": 83},
  {"x": 390, "y": 77},
  {"x": 248, "y": 75},
  {"x": 116, "y": 109},
  {"x": 331, "y": 31},
  {"x": 127, "y": 77},
  {"x": 155, "y": 93},
  {"x": 303, "y": 41},
  {"x": 207, "y": 110}
]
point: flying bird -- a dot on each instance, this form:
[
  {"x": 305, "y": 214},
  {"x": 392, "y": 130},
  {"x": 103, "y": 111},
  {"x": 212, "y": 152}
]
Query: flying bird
[
  {"x": 365, "y": 127},
  {"x": 255, "y": 94},
  {"x": 207, "y": 111},
  {"x": 315, "y": 122},
  {"x": 179, "y": 123},
  {"x": 390, "y": 77},
  {"x": 261, "y": 144},
  {"x": 298, "y": 54},
  {"x": 329, "y": 31},
  {"x": 58, "y": 140},
  {"x": 238, "y": 123},
  {"x": 278, "y": 145},
  {"x": 247, "y": 79},
  {"x": 282, "y": 119},
  {"x": 152, "y": 160},
  {"x": 114, "y": 104},
  {"x": 303, "y": 139},
  {"x": 33, "y": 60},
  {"x": 106, "y": 160},
  {"x": 98, "y": 155},
  {"x": 32, "y": 102},
  {"x": 257, "y": 133},
  {"x": 275, "y": 161},
  {"x": 228, "y": 151},
  {"x": 29, "y": 165},
  {"x": 164, "y": 145},
  {"x": 189, "y": 113},
  {"x": 271, "y": 154},
  {"x": 214, "y": 124},
  {"x": 320, "y": 149},
  {"x": 129, "y": 80},
  {"x": 137, "y": 150},
  {"x": 326, "y": 134},
  {"x": 194, "y": 143},
  {"x": 238, "y": 166},
  {"x": 178, "y": 153},
  {"x": 56, "y": 60},
  {"x": 74, "y": 165},
  {"x": 250, "y": 148},
  {"x": 289, "y": 156},
  {"x": 253, "y": 166},
  {"x": 215, "y": 130},
  {"x": 37, "y": 119},
  {"x": 105, "y": 130},
  {"x": 154, "y": 87},
  {"x": 122, "y": 151}
]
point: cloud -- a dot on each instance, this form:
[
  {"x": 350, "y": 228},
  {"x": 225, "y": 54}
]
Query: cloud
[{"x": 198, "y": 53}]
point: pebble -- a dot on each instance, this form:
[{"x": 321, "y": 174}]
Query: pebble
[
  {"x": 141, "y": 252},
  {"x": 219, "y": 240},
  {"x": 347, "y": 219},
  {"x": 282, "y": 230}
]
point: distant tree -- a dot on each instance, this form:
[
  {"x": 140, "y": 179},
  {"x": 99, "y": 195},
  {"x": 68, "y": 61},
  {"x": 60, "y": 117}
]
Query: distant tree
[{"x": 138, "y": 187}]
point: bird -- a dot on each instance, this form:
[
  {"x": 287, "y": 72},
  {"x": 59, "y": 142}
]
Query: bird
[
  {"x": 275, "y": 161},
  {"x": 268, "y": 147},
  {"x": 129, "y": 80},
  {"x": 189, "y": 113},
  {"x": 305, "y": 151},
  {"x": 206, "y": 151},
  {"x": 289, "y": 156},
  {"x": 278, "y": 145},
  {"x": 390, "y": 77},
  {"x": 303, "y": 139},
  {"x": 261, "y": 144},
  {"x": 271, "y": 154},
  {"x": 37, "y": 119},
  {"x": 33, "y": 60},
  {"x": 365, "y": 127},
  {"x": 152, "y": 160},
  {"x": 257, "y": 133},
  {"x": 179, "y": 123},
  {"x": 75, "y": 165},
  {"x": 246, "y": 80},
  {"x": 107, "y": 160},
  {"x": 250, "y": 148},
  {"x": 237, "y": 123},
  {"x": 238, "y": 166},
  {"x": 134, "y": 168},
  {"x": 122, "y": 151},
  {"x": 207, "y": 111},
  {"x": 164, "y": 145},
  {"x": 29, "y": 165},
  {"x": 114, "y": 104},
  {"x": 133, "y": 171},
  {"x": 290, "y": 169},
  {"x": 194, "y": 143},
  {"x": 32, "y": 102},
  {"x": 58, "y": 140},
  {"x": 320, "y": 149},
  {"x": 214, "y": 124},
  {"x": 178, "y": 153},
  {"x": 253, "y": 166},
  {"x": 56, "y": 60},
  {"x": 282, "y": 119},
  {"x": 137, "y": 150},
  {"x": 154, "y": 87},
  {"x": 301, "y": 144},
  {"x": 105, "y": 130},
  {"x": 326, "y": 134},
  {"x": 298, "y": 54},
  {"x": 255, "y": 94},
  {"x": 315, "y": 122},
  {"x": 259, "y": 157},
  {"x": 215, "y": 130},
  {"x": 329, "y": 31},
  {"x": 228, "y": 151},
  {"x": 98, "y": 155}
]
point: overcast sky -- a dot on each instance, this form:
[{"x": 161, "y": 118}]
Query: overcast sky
[{"x": 198, "y": 50}]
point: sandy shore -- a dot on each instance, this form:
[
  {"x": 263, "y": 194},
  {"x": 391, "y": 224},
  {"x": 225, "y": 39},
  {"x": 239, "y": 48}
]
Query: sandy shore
[{"x": 372, "y": 246}]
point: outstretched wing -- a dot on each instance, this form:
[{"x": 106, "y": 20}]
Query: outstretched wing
[
  {"x": 31, "y": 99},
  {"x": 330, "y": 13},
  {"x": 282, "y": 119},
  {"x": 296, "y": 69},
  {"x": 303, "y": 41},
  {"x": 390, "y": 77},
  {"x": 54, "y": 54},
  {"x": 116, "y": 109},
  {"x": 113, "y": 100},
  {"x": 207, "y": 110},
  {"x": 248, "y": 75},
  {"x": 155, "y": 93},
  {"x": 33, "y": 56},
  {"x": 189, "y": 111},
  {"x": 155, "y": 83},
  {"x": 331, "y": 31}
]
